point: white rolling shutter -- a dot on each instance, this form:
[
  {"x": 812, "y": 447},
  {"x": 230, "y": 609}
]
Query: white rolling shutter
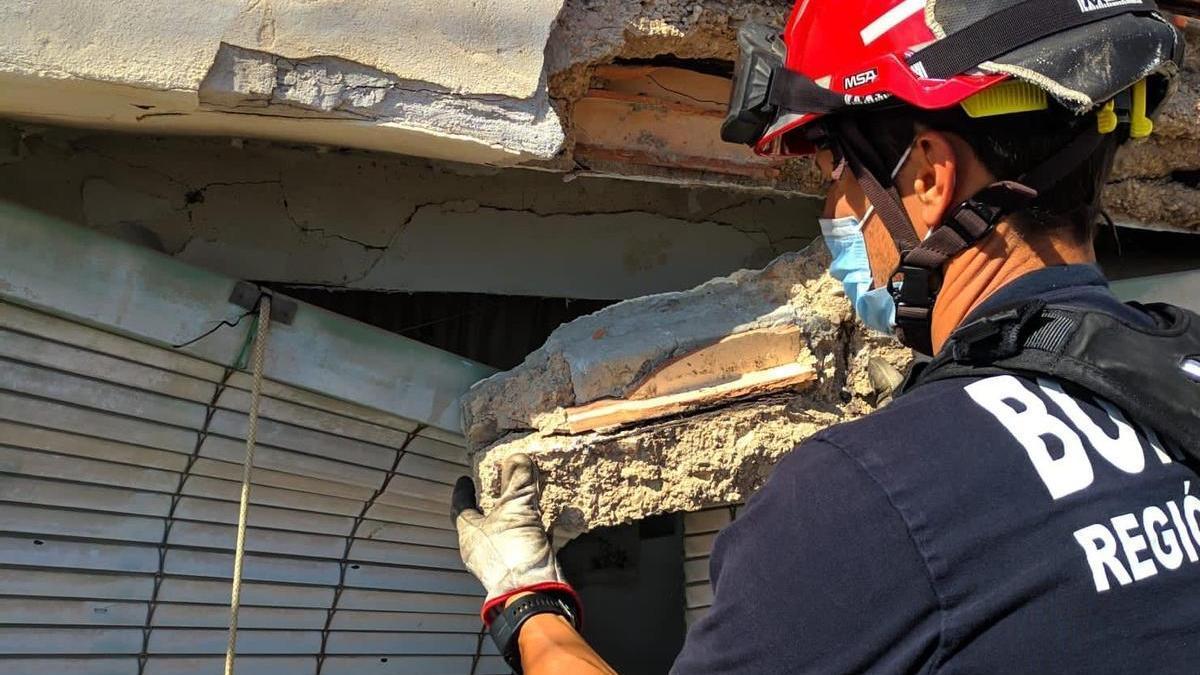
[
  {"x": 699, "y": 532},
  {"x": 120, "y": 469}
]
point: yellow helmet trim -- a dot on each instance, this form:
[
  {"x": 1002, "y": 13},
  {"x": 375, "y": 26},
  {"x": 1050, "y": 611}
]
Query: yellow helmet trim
[{"x": 1007, "y": 98}]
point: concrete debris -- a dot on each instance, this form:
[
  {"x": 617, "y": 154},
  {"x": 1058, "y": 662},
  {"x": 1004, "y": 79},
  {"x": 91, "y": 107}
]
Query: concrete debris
[
  {"x": 1157, "y": 181},
  {"x": 247, "y": 80},
  {"x": 785, "y": 320},
  {"x": 592, "y": 33}
]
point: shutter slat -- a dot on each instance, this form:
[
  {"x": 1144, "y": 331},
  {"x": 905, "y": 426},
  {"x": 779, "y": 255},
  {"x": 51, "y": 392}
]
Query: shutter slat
[
  {"x": 61, "y": 553},
  {"x": 306, "y": 442},
  {"x": 699, "y": 595},
  {"x": 249, "y": 665},
  {"x": 405, "y": 622},
  {"x": 76, "y": 666},
  {"x": 216, "y": 592},
  {"x": 222, "y": 480},
  {"x": 48, "y": 465},
  {"x": 103, "y": 396},
  {"x": 37, "y": 521},
  {"x": 86, "y": 422},
  {"x": 90, "y": 364},
  {"x": 24, "y": 640},
  {"x": 35, "y": 611},
  {"x": 419, "y": 466},
  {"x": 349, "y": 642},
  {"x": 50, "y": 440},
  {"x": 408, "y": 534},
  {"x": 316, "y": 419},
  {"x": 269, "y": 458},
  {"x": 398, "y": 601},
  {"x": 250, "y": 641},
  {"x": 76, "y": 585},
  {"x": 432, "y": 581},
  {"x": 405, "y": 554},
  {"x": 174, "y": 615},
  {"x": 258, "y": 540},
  {"x": 81, "y": 496},
  {"x": 226, "y": 513},
  {"x": 699, "y": 546},
  {"x": 423, "y": 444},
  {"x": 401, "y": 665}
]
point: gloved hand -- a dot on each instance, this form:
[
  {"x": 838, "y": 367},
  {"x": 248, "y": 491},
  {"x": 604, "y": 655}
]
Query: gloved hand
[{"x": 507, "y": 550}]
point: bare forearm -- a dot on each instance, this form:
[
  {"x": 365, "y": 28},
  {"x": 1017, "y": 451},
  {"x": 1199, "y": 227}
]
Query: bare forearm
[{"x": 551, "y": 646}]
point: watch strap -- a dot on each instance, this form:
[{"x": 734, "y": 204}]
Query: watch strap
[{"x": 506, "y": 626}]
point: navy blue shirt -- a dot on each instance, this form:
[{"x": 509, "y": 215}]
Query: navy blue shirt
[{"x": 975, "y": 525}]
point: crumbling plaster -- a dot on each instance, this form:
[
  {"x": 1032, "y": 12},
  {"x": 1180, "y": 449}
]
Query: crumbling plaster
[
  {"x": 1156, "y": 183},
  {"x": 465, "y": 78},
  {"x": 486, "y": 82},
  {"x": 361, "y": 220}
]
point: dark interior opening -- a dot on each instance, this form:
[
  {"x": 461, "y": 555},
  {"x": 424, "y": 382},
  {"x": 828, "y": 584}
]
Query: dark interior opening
[
  {"x": 1138, "y": 253},
  {"x": 631, "y": 581},
  {"x": 719, "y": 67},
  {"x": 497, "y": 330}
]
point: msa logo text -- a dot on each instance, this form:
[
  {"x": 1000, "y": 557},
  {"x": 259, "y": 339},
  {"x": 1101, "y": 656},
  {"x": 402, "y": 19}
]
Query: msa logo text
[
  {"x": 1093, "y": 5},
  {"x": 864, "y": 78}
]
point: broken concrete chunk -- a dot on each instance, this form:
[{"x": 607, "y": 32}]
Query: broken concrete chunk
[{"x": 681, "y": 401}]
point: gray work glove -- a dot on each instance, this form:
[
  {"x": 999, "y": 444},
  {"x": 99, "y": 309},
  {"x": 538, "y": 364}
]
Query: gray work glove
[{"x": 507, "y": 550}]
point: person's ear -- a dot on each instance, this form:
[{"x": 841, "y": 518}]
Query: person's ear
[{"x": 934, "y": 179}]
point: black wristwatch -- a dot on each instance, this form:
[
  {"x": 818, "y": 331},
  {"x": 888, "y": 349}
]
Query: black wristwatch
[{"x": 507, "y": 624}]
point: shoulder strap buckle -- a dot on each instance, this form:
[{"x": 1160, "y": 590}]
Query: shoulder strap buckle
[{"x": 996, "y": 336}]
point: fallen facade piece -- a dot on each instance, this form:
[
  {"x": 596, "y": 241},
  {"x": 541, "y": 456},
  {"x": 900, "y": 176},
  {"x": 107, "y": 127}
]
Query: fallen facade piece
[{"x": 681, "y": 401}]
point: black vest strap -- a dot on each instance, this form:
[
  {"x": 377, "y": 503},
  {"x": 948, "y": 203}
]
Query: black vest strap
[
  {"x": 1022, "y": 24},
  {"x": 1143, "y": 371}
]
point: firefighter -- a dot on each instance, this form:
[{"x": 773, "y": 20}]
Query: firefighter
[{"x": 1027, "y": 503}]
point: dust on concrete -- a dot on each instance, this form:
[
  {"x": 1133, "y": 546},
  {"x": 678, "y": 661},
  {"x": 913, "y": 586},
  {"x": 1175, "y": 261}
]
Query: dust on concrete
[{"x": 693, "y": 461}]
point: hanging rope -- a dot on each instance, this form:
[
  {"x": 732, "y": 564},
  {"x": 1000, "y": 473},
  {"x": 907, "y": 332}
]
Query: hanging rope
[{"x": 256, "y": 363}]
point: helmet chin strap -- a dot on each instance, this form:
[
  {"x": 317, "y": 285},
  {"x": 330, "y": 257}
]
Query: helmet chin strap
[{"x": 922, "y": 260}]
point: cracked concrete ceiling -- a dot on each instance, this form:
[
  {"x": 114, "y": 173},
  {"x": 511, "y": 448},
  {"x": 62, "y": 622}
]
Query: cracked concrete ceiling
[{"x": 593, "y": 87}]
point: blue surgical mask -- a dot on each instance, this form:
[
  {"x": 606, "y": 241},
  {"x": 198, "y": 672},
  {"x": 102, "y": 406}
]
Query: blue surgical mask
[{"x": 852, "y": 267}]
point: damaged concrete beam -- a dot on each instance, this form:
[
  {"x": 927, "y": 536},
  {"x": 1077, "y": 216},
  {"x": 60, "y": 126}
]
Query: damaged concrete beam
[
  {"x": 681, "y": 401},
  {"x": 591, "y": 87},
  {"x": 452, "y": 80}
]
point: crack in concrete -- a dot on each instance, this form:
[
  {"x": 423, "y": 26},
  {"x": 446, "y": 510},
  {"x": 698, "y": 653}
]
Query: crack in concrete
[
  {"x": 324, "y": 233},
  {"x": 686, "y": 95}
]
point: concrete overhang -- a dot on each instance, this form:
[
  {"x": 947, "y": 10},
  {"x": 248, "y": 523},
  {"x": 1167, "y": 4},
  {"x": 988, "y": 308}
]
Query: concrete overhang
[
  {"x": 451, "y": 79},
  {"x": 591, "y": 87}
]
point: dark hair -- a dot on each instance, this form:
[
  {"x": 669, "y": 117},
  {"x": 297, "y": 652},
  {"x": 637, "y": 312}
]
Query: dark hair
[{"x": 1009, "y": 146}]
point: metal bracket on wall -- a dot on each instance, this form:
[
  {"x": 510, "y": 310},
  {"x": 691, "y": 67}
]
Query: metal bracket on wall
[{"x": 246, "y": 295}]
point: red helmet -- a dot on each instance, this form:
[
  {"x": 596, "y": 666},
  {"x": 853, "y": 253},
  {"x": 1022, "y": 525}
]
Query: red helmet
[
  {"x": 993, "y": 57},
  {"x": 836, "y": 55}
]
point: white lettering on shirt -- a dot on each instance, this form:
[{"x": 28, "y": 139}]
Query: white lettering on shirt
[
  {"x": 1030, "y": 424},
  {"x": 1124, "y": 452},
  {"x": 1126, "y": 548},
  {"x": 1164, "y": 542},
  {"x": 1167, "y": 540},
  {"x": 1101, "y": 550}
]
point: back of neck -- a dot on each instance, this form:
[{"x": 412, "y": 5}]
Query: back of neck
[{"x": 1005, "y": 256}]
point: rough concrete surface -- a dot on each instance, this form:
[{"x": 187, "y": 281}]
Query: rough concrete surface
[
  {"x": 1156, "y": 182},
  {"x": 683, "y": 463},
  {"x": 487, "y": 82},
  {"x": 455, "y": 79},
  {"x": 359, "y": 220}
]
